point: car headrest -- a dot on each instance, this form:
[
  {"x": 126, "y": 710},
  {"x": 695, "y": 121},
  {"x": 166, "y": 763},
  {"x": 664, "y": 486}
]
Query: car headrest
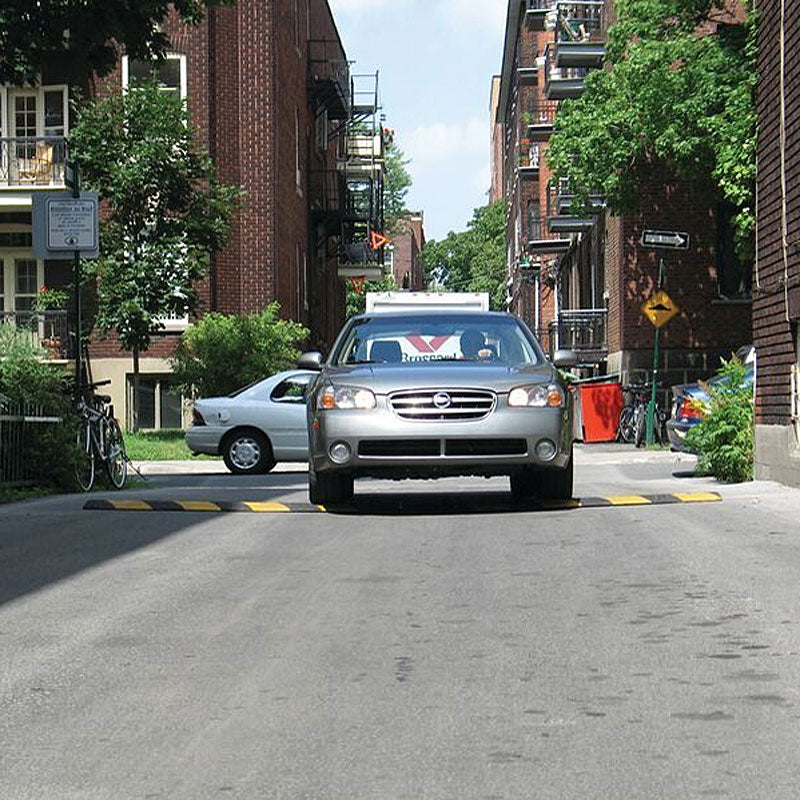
[{"x": 386, "y": 350}]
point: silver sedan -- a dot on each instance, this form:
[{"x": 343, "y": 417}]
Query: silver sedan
[
  {"x": 427, "y": 394},
  {"x": 255, "y": 427}
]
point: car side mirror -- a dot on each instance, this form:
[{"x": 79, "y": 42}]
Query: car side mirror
[
  {"x": 564, "y": 359},
  {"x": 312, "y": 360}
]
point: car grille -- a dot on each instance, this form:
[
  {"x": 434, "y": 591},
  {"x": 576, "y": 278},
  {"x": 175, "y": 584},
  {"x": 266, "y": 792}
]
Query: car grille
[{"x": 465, "y": 404}]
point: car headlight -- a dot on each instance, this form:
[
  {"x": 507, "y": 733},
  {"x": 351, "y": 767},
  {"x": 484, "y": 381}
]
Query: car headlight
[
  {"x": 346, "y": 397},
  {"x": 539, "y": 396}
]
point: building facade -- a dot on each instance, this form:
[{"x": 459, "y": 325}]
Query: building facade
[
  {"x": 408, "y": 240},
  {"x": 271, "y": 94},
  {"x": 581, "y": 281},
  {"x": 776, "y": 282}
]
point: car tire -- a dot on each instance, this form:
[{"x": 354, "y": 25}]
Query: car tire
[
  {"x": 247, "y": 452},
  {"x": 557, "y": 484},
  {"x": 329, "y": 488},
  {"x": 525, "y": 484}
]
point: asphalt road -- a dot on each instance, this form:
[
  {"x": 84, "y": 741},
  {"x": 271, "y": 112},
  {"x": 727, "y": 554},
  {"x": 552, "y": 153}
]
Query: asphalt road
[{"x": 434, "y": 645}]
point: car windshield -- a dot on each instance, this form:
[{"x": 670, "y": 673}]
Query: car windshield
[{"x": 427, "y": 338}]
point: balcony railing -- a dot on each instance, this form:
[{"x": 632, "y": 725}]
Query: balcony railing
[
  {"x": 528, "y": 158},
  {"x": 583, "y": 330},
  {"x": 561, "y": 83},
  {"x": 32, "y": 161},
  {"x": 577, "y": 20},
  {"x": 559, "y": 209},
  {"x": 329, "y": 78},
  {"x": 538, "y": 238},
  {"x": 48, "y": 330},
  {"x": 537, "y": 121}
]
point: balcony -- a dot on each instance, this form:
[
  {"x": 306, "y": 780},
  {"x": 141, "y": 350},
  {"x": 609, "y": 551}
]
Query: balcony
[
  {"x": 536, "y": 13},
  {"x": 559, "y": 210},
  {"x": 540, "y": 239},
  {"x": 33, "y": 161},
  {"x": 527, "y": 76},
  {"x": 583, "y": 330},
  {"x": 329, "y": 78},
  {"x": 528, "y": 160},
  {"x": 48, "y": 330},
  {"x": 539, "y": 121},
  {"x": 562, "y": 83}
]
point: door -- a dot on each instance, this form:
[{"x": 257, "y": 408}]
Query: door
[
  {"x": 37, "y": 125},
  {"x": 23, "y": 111},
  {"x": 287, "y": 424}
]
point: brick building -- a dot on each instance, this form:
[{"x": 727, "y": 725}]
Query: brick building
[
  {"x": 408, "y": 239},
  {"x": 496, "y": 143},
  {"x": 776, "y": 281},
  {"x": 581, "y": 281},
  {"x": 270, "y": 92}
]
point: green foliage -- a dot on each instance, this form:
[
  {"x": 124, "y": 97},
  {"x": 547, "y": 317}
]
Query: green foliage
[
  {"x": 49, "y": 451},
  {"x": 397, "y": 182},
  {"x": 165, "y": 445},
  {"x": 672, "y": 96},
  {"x": 356, "y": 296},
  {"x": 167, "y": 211},
  {"x": 724, "y": 440},
  {"x": 33, "y": 34},
  {"x": 473, "y": 260},
  {"x": 223, "y": 353}
]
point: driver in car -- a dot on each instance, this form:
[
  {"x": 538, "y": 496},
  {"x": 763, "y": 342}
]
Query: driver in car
[{"x": 473, "y": 345}]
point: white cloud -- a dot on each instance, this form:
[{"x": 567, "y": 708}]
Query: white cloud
[
  {"x": 356, "y": 6},
  {"x": 442, "y": 141},
  {"x": 487, "y": 16}
]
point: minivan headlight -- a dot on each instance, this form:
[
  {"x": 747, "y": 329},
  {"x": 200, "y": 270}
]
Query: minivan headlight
[
  {"x": 346, "y": 397},
  {"x": 539, "y": 396}
]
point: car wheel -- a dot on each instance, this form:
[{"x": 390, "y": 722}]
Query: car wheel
[
  {"x": 557, "y": 484},
  {"x": 247, "y": 452},
  {"x": 525, "y": 484},
  {"x": 329, "y": 489}
]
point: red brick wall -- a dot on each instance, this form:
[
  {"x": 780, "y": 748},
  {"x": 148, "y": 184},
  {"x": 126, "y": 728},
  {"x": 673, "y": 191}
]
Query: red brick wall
[{"x": 776, "y": 302}]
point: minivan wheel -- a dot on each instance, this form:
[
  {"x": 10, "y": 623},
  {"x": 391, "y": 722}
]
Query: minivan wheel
[
  {"x": 329, "y": 488},
  {"x": 247, "y": 452}
]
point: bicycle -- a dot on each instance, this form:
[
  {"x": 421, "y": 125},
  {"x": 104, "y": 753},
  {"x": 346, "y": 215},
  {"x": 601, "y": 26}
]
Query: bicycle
[
  {"x": 632, "y": 427},
  {"x": 99, "y": 438}
]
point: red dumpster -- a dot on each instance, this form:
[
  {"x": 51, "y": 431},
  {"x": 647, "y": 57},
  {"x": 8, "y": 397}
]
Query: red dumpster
[{"x": 600, "y": 405}]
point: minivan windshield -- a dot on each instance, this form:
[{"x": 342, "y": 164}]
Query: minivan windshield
[{"x": 467, "y": 338}]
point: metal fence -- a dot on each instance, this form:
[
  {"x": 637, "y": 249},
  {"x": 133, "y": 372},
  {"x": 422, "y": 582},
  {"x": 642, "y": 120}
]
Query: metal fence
[{"x": 19, "y": 425}]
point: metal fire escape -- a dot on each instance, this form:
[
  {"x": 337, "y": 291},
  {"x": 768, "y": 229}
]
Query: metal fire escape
[{"x": 348, "y": 200}]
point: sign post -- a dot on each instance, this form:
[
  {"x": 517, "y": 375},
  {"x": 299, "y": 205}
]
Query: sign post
[{"x": 75, "y": 185}]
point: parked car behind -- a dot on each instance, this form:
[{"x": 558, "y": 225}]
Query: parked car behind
[
  {"x": 689, "y": 398},
  {"x": 256, "y": 426}
]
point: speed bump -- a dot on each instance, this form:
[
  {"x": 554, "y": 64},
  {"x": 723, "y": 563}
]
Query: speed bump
[
  {"x": 216, "y": 507},
  {"x": 272, "y": 507}
]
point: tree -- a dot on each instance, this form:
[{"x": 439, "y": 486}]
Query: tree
[
  {"x": 397, "y": 182},
  {"x": 673, "y": 94},
  {"x": 83, "y": 36},
  {"x": 222, "y": 353},
  {"x": 356, "y": 293},
  {"x": 166, "y": 212},
  {"x": 473, "y": 260}
]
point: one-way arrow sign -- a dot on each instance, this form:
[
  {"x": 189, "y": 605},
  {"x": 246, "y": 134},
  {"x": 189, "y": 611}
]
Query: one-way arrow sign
[{"x": 672, "y": 240}]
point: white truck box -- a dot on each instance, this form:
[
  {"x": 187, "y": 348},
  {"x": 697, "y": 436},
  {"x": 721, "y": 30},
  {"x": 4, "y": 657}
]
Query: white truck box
[{"x": 436, "y": 301}]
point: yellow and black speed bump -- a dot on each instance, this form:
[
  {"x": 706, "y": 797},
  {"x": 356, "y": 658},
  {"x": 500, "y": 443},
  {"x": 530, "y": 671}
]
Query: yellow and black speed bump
[
  {"x": 272, "y": 507},
  {"x": 219, "y": 506}
]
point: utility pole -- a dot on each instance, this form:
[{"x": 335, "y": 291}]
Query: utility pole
[{"x": 76, "y": 280}]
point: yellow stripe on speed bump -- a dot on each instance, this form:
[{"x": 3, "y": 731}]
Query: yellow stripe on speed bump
[
  {"x": 131, "y": 505},
  {"x": 198, "y": 505},
  {"x": 698, "y": 497},
  {"x": 266, "y": 508},
  {"x": 628, "y": 500}
]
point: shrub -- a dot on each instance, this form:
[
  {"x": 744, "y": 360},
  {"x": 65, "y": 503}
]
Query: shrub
[
  {"x": 222, "y": 353},
  {"x": 49, "y": 451},
  {"x": 724, "y": 440}
]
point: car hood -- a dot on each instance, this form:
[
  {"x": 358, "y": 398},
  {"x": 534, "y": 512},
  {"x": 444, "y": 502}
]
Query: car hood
[{"x": 385, "y": 378}]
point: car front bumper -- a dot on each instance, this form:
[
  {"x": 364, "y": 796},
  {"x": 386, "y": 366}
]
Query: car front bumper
[
  {"x": 382, "y": 444},
  {"x": 676, "y": 433}
]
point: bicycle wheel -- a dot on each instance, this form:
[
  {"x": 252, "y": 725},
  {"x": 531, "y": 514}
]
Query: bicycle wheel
[
  {"x": 640, "y": 425},
  {"x": 84, "y": 467},
  {"x": 115, "y": 457},
  {"x": 626, "y": 428}
]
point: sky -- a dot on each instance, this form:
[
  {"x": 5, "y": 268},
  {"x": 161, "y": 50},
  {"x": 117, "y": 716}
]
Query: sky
[{"x": 436, "y": 59}]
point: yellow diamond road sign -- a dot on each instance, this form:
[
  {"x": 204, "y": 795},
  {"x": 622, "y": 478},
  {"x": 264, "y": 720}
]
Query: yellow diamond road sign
[{"x": 660, "y": 308}]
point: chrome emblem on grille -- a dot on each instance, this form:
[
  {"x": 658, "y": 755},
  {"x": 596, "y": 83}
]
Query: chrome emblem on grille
[{"x": 441, "y": 400}]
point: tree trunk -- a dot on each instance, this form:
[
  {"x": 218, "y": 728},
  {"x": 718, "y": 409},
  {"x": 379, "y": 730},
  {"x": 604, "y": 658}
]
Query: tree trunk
[{"x": 136, "y": 392}]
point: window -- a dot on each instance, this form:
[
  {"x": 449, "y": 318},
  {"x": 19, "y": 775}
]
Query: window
[
  {"x": 296, "y": 25},
  {"x": 733, "y": 276},
  {"x": 298, "y": 174},
  {"x": 26, "y": 283},
  {"x": 159, "y": 406},
  {"x": 321, "y": 130},
  {"x": 292, "y": 390},
  {"x": 170, "y": 74}
]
